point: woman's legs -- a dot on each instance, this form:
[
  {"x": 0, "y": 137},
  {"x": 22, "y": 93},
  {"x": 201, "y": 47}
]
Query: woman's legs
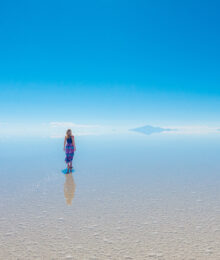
[{"x": 68, "y": 168}]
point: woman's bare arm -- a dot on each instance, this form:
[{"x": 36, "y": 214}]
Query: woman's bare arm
[
  {"x": 64, "y": 143},
  {"x": 74, "y": 145}
]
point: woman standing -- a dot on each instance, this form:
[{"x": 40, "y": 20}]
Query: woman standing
[{"x": 69, "y": 148}]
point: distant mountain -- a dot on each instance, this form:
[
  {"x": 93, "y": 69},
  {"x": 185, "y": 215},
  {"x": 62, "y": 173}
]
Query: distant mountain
[{"x": 148, "y": 129}]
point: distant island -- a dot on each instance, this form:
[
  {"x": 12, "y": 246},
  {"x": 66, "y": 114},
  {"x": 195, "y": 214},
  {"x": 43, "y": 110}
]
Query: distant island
[{"x": 148, "y": 129}]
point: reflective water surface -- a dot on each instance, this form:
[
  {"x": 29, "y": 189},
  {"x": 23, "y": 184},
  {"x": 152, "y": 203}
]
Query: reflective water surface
[{"x": 129, "y": 197}]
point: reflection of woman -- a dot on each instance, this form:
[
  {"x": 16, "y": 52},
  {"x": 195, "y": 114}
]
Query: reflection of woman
[
  {"x": 69, "y": 188},
  {"x": 69, "y": 148}
]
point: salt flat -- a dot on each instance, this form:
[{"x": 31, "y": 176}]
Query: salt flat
[{"x": 130, "y": 197}]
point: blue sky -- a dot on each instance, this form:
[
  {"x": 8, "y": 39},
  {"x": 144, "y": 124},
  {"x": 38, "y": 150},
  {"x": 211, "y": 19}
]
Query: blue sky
[{"x": 110, "y": 62}]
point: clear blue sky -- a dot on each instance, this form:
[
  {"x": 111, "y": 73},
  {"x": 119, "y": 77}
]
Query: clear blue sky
[{"x": 110, "y": 61}]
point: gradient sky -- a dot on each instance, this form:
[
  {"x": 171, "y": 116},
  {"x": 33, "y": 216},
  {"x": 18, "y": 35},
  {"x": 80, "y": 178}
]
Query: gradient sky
[{"x": 110, "y": 62}]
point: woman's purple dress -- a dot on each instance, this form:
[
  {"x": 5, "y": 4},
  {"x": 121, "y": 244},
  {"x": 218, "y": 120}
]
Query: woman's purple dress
[{"x": 69, "y": 150}]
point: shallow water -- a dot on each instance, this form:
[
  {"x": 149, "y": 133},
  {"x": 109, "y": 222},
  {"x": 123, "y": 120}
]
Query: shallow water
[{"x": 129, "y": 197}]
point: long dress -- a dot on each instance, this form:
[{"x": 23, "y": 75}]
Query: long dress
[{"x": 69, "y": 150}]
